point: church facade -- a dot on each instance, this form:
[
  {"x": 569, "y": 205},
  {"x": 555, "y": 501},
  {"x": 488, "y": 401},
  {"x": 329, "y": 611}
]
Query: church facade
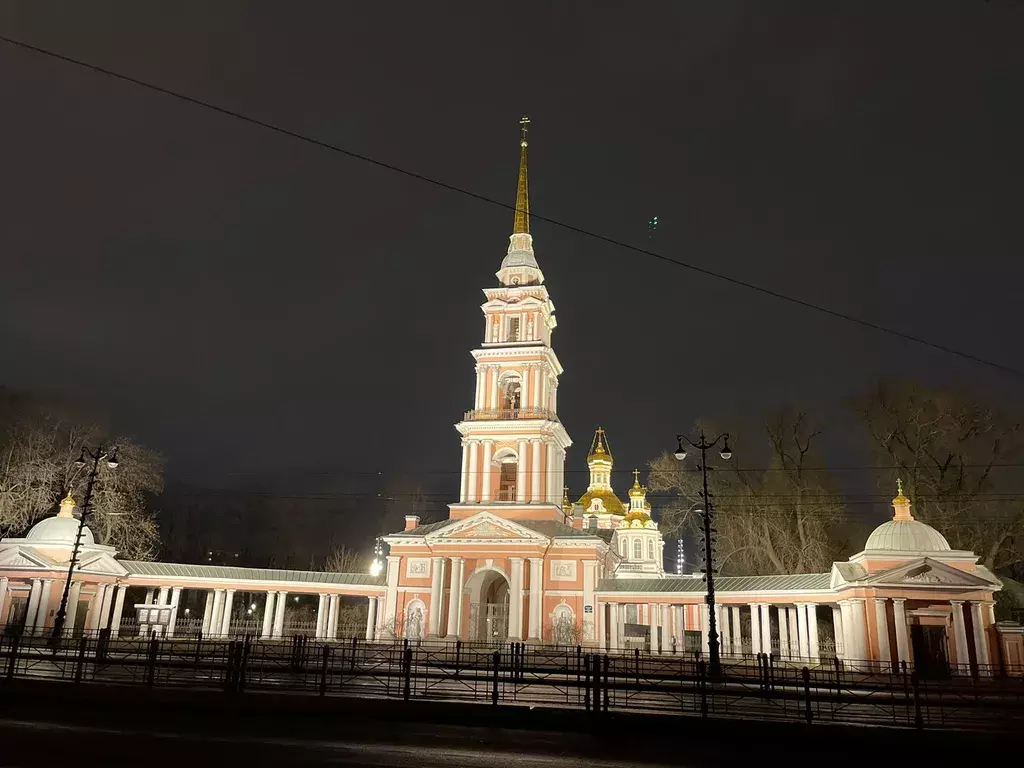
[{"x": 516, "y": 560}]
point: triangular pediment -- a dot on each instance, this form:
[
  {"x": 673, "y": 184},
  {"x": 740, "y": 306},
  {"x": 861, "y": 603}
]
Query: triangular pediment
[
  {"x": 24, "y": 557},
  {"x": 102, "y": 562},
  {"x": 486, "y": 527},
  {"x": 927, "y": 573}
]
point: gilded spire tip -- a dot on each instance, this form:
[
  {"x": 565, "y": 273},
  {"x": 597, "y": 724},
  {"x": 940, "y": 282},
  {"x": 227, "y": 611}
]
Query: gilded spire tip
[{"x": 522, "y": 222}]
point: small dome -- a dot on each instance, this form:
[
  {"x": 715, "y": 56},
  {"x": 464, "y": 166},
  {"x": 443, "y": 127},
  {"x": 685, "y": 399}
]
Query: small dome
[
  {"x": 59, "y": 530},
  {"x": 907, "y": 536}
]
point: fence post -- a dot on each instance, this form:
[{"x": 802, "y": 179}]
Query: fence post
[
  {"x": 102, "y": 645},
  {"x": 604, "y": 683},
  {"x": 458, "y": 655},
  {"x": 355, "y": 640},
  {"x": 807, "y": 694},
  {"x": 496, "y": 661},
  {"x": 702, "y": 674},
  {"x": 323, "y": 669},
  {"x": 407, "y": 657},
  {"x": 918, "y": 717},
  {"x": 243, "y": 663},
  {"x": 12, "y": 662},
  {"x": 586, "y": 682},
  {"x": 154, "y": 650},
  {"x": 81, "y": 658}
]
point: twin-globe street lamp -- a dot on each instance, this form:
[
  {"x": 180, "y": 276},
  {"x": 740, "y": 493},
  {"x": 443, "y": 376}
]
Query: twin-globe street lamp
[
  {"x": 707, "y": 514},
  {"x": 97, "y": 457}
]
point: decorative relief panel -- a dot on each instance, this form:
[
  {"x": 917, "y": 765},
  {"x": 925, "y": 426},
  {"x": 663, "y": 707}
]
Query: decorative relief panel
[
  {"x": 417, "y": 567},
  {"x": 563, "y": 570}
]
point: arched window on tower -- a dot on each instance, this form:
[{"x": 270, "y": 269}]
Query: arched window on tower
[
  {"x": 638, "y": 549},
  {"x": 650, "y": 549},
  {"x": 511, "y": 394},
  {"x": 507, "y": 480}
]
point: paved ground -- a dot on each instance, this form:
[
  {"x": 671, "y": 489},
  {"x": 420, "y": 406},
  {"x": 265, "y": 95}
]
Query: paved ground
[{"x": 59, "y": 724}]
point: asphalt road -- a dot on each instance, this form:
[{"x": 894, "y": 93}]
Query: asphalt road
[{"x": 44, "y": 724}]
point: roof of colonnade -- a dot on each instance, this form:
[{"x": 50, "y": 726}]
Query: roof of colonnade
[
  {"x": 800, "y": 582},
  {"x": 234, "y": 573}
]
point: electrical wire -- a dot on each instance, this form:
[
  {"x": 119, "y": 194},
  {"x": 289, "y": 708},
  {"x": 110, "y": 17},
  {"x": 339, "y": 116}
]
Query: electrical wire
[{"x": 483, "y": 198}]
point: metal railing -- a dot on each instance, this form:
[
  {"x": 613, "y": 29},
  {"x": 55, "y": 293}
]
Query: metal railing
[
  {"x": 520, "y": 674},
  {"x": 503, "y": 414}
]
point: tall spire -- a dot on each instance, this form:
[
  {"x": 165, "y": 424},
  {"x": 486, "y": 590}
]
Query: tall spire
[{"x": 522, "y": 225}]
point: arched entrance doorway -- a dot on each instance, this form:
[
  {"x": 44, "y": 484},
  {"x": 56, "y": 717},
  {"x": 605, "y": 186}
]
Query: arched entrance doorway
[{"x": 488, "y": 606}]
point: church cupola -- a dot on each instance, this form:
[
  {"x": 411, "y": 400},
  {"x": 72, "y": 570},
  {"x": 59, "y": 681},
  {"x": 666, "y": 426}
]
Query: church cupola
[{"x": 637, "y": 539}]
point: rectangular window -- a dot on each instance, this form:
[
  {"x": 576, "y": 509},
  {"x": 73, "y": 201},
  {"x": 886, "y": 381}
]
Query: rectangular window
[{"x": 513, "y": 329}]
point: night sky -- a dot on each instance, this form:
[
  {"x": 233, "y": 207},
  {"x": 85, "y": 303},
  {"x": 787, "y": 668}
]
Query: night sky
[{"x": 261, "y": 310}]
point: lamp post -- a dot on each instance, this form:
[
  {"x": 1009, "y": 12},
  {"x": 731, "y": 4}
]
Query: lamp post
[
  {"x": 97, "y": 457},
  {"x": 707, "y": 515},
  {"x": 378, "y": 563}
]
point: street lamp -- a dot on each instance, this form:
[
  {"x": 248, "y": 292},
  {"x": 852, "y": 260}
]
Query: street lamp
[
  {"x": 377, "y": 565},
  {"x": 97, "y": 457},
  {"x": 707, "y": 515}
]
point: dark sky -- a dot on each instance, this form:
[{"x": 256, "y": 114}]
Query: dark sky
[{"x": 249, "y": 304}]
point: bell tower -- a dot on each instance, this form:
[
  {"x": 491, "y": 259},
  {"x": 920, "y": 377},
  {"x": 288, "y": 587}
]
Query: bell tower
[{"x": 513, "y": 445}]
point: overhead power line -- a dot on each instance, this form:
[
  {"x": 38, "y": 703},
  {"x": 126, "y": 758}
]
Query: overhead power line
[{"x": 537, "y": 217}]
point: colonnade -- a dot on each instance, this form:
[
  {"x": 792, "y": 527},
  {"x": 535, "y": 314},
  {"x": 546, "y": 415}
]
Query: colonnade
[{"x": 532, "y": 454}]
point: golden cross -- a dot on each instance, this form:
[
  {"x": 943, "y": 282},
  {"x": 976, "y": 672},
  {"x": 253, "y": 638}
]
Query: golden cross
[
  {"x": 636, "y": 476},
  {"x": 525, "y": 122},
  {"x": 899, "y": 486}
]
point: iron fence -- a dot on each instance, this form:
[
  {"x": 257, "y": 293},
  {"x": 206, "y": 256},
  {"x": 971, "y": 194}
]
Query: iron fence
[{"x": 519, "y": 674}]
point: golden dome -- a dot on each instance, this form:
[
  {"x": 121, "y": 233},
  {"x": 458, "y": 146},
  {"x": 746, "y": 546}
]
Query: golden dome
[
  {"x": 900, "y": 498},
  {"x": 611, "y": 503},
  {"x": 637, "y": 515},
  {"x": 637, "y": 490}
]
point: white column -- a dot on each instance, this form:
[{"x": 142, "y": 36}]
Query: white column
[
  {"x": 208, "y": 613},
  {"x": 525, "y": 388},
  {"x": 755, "y": 629},
  {"x": 801, "y": 631},
  {"x": 216, "y": 618},
  {"x": 268, "y": 617},
  {"x": 3, "y": 598},
  {"x": 74, "y": 595},
  {"x": 455, "y": 599},
  {"x": 589, "y": 598},
  {"x": 115, "y": 624},
  {"x": 784, "y": 651},
  {"x": 436, "y": 595},
  {"x": 615, "y": 631},
  {"x": 486, "y": 494},
  {"x": 332, "y": 617},
  {"x": 846, "y": 625},
  {"x": 536, "y": 592},
  {"x": 371, "y": 616},
  {"x": 280, "y": 602},
  {"x": 812, "y": 631},
  {"x": 464, "y": 477},
  {"x": 737, "y": 631},
  {"x": 474, "y": 451},
  {"x": 321, "y": 617},
  {"x": 173, "y": 621},
  {"x": 837, "y": 631},
  {"x": 44, "y": 605},
  {"x": 704, "y": 630},
  {"x": 882, "y": 631},
  {"x": 960, "y": 636},
  {"x": 521, "y": 475},
  {"x": 766, "y": 628},
  {"x": 535, "y": 472},
  {"x": 515, "y": 619},
  {"x": 33, "y": 606},
  {"x": 858, "y": 631},
  {"x": 229, "y": 599},
  {"x": 899, "y": 615},
  {"x": 494, "y": 404},
  {"x": 391, "y": 596},
  {"x": 981, "y": 653}
]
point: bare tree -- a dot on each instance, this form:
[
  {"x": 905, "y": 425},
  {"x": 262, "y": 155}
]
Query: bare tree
[
  {"x": 785, "y": 519},
  {"x": 345, "y": 560},
  {"x": 956, "y": 456},
  {"x": 38, "y": 449}
]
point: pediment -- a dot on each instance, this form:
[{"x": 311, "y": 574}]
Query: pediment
[
  {"x": 927, "y": 573},
  {"x": 24, "y": 557},
  {"x": 101, "y": 562},
  {"x": 486, "y": 527}
]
